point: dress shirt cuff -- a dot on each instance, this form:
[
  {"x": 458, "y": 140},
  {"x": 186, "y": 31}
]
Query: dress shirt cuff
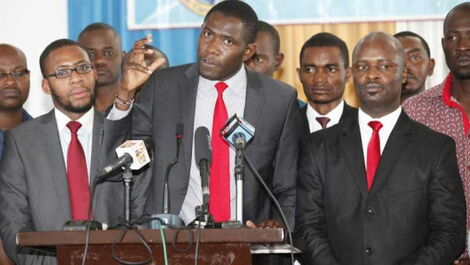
[{"x": 117, "y": 114}]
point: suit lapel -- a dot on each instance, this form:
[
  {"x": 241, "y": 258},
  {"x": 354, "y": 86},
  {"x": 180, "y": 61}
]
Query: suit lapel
[
  {"x": 97, "y": 141},
  {"x": 254, "y": 99},
  {"x": 55, "y": 161},
  {"x": 188, "y": 93},
  {"x": 397, "y": 142},
  {"x": 350, "y": 142},
  {"x": 348, "y": 112}
]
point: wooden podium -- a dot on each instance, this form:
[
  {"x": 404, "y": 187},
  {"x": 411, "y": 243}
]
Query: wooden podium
[{"x": 217, "y": 246}]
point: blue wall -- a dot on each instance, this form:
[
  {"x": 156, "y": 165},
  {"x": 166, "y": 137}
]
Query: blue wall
[{"x": 180, "y": 45}]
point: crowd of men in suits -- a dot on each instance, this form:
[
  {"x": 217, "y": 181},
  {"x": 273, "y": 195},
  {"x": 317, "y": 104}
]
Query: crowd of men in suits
[{"x": 378, "y": 184}]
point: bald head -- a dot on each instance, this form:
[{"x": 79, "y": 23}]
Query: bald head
[
  {"x": 10, "y": 50},
  {"x": 381, "y": 37},
  {"x": 378, "y": 73},
  {"x": 461, "y": 10}
]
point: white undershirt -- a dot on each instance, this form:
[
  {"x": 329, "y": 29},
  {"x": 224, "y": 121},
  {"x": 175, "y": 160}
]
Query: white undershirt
[
  {"x": 388, "y": 121},
  {"x": 85, "y": 134}
]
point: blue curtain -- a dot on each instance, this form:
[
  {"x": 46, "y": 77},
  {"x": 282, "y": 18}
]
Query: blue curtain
[{"x": 180, "y": 45}]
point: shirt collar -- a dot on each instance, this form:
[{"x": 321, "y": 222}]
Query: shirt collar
[
  {"x": 450, "y": 101},
  {"x": 237, "y": 82},
  {"x": 86, "y": 120},
  {"x": 388, "y": 121},
  {"x": 334, "y": 115}
]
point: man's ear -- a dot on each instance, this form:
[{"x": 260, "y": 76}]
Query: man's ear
[
  {"x": 279, "y": 59},
  {"x": 45, "y": 86},
  {"x": 432, "y": 63},
  {"x": 348, "y": 74},
  {"x": 249, "y": 51}
]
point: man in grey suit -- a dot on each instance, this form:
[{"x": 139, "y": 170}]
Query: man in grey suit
[
  {"x": 380, "y": 188},
  {"x": 39, "y": 165},
  {"x": 187, "y": 94}
]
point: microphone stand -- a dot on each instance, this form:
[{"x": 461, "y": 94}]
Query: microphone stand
[
  {"x": 239, "y": 177},
  {"x": 127, "y": 191}
]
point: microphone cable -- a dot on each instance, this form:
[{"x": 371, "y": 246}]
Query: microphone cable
[{"x": 278, "y": 206}]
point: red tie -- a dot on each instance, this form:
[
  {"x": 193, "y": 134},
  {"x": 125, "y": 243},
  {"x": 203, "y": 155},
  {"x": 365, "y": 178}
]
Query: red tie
[
  {"x": 323, "y": 121},
  {"x": 219, "y": 186},
  {"x": 77, "y": 175},
  {"x": 373, "y": 152}
]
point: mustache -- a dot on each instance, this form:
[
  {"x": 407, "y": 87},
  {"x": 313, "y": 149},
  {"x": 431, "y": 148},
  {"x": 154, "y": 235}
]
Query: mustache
[{"x": 372, "y": 84}]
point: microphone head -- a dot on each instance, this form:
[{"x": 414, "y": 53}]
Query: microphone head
[
  {"x": 201, "y": 145},
  {"x": 179, "y": 130}
]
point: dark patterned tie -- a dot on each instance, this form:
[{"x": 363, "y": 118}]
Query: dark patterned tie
[{"x": 323, "y": 121}]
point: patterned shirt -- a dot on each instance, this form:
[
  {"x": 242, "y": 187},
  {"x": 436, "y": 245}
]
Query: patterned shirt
[{"x": 438, "y": 110}]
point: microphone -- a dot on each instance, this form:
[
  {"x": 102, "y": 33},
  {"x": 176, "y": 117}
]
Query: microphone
[
  {"x": 203, "y": 156},
  {"x": 167, "y": 219},
  {"x": 166, "y": 190},
  {"x": 237, "y": 132},
  {"x": 133, "y": 153}
]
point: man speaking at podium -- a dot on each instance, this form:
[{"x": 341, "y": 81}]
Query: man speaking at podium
[{"x": 206, "y": 94}]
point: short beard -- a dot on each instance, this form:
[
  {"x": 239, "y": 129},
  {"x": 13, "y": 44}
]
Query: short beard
[
  {"x": 71, "y": 108},
  {"x": 462, "y": 75}
]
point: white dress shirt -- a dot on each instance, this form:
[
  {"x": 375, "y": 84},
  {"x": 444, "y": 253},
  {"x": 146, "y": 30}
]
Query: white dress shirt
[
  {"x": 234, "y": 98},
  {"x": 206, "y": 97},
  {"x": 85, "y": 134},
  {"x": 334, "y": 115},
  {"x": 388, "y": 121}
]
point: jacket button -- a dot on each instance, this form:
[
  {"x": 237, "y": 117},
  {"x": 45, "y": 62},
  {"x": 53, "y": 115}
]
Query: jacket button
[
  {"x": 369, "y": 251},
  {"x": 370, "y": 212}
]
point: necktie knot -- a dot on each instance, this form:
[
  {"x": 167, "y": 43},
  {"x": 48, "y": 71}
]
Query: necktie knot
[
  {"x": 375, "y": 125},
  {"x": 74, "y": 126},
  {"x": 323, "y": 121},
  {"x": 221, "y": 86}
]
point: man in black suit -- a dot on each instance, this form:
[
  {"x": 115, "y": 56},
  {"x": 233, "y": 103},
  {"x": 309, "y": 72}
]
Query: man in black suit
[
  {"x": 187, "y": 94},
  {"x": 324, "y": 71},
  {"x": 380, "y": 188}
]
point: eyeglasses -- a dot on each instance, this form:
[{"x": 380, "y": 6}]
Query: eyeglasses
[
  {"x": 16, "y": 75},
  {"x": 66, "y": 72}
]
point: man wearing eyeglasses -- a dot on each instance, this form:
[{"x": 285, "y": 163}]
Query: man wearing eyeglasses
[
  {"x": 50, "y": 162},
  {"x": 14, "y": 90}
]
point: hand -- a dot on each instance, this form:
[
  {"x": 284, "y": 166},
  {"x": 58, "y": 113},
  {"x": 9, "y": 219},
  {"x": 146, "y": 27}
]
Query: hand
[
  {"x": 462, "y": 261},
  {"x": 135, "y": 70},
  {"x": 270, "y": 223}
]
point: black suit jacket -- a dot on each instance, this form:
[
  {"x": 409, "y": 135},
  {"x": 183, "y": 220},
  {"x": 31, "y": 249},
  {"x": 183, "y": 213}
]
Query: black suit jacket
[
  {"x": 348, "y": 112},
  {"x": 169, "y": 97},
  {"x": 414, "y": 213}
]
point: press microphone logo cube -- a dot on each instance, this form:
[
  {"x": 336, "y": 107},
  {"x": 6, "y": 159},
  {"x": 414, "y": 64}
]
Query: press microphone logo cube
[
  {"x": 138, "y": 151},
  {"x": 237, "y": 127}
]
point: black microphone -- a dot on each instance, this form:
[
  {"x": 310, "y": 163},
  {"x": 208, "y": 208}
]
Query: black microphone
[
  {"x": 166, "y": 190},
  {"x": 132, "y": 153},
  {"x": 203, "y": 157}
]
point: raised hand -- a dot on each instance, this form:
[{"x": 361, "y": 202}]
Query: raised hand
[{"x": 136, "y": 70}]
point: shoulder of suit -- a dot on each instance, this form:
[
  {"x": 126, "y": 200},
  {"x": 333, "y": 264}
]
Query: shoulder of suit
[
  {"x": 272, "y": 84},
  {"x": 31, "y": 127},
  {"x": 424, "y": 132}
]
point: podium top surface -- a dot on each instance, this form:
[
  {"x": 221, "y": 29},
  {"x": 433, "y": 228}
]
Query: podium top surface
[{"x": 227, "y": 235}]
